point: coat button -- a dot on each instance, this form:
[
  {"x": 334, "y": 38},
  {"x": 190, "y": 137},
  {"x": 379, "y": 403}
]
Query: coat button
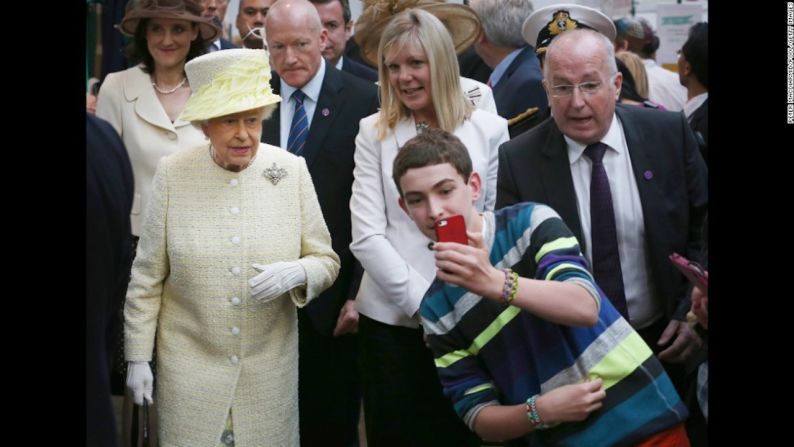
[
  {"x": 236, "y": 240},
  {"x": 234, "y": 210},
  {"x": 236, "y": 270},
  {"x": 171, "y": 136},
  {"x": 235, "y": 330},
  {"x": 236, "y": 301},
  {"x": 234, "y": 359},
  {"x": 233, "y": 182}
]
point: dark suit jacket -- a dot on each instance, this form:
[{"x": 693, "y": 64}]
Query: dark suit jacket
[
  {"x": 700, "y": 125},
  {"x": 521, "y": 86},
  {"x": 359, "y": 70},
  {"x": 671, "y": 178},
  {"x": 225, "y": 44},
  {"x": 352, "y": 51},
  {"x": 109, "y": 191},
  {"x": 329, "y": 149},
  {"x": 518, "y": 127},
  {"x": 472, "y": 66}
]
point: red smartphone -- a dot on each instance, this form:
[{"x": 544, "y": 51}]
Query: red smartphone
[
  {"x": 452, "y": 229},
  {"x": 696, "y": 274}
]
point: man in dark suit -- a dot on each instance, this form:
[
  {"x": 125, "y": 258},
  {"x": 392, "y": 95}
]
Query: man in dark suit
[
  {"x": 109, "y": 190},
  {"x": 657, "y": 188},
  {"x": 472, "y": 66},
  {"x": 539, "y": 29},
  {"x": 693, "y": 74},
  {"x": 333, "y": 104},
  {"x": 336, "y": 19},
  {"x": 516, "y": 79}
]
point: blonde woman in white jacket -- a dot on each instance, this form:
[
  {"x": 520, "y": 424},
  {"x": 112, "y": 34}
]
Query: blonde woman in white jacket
[
  {"x": 419, "y": 87},
  {"x": 143, "y": 103}
]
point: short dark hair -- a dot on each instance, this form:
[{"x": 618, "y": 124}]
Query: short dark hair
[
  {"x": 345, "y": 7},
  {"x": 696, "y": 51},
  {"x": 432, "y": 147},
  {"x": 138, "y": 51}
]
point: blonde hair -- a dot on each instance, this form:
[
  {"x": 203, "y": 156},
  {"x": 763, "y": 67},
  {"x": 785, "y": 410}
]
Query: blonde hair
[
  {"x": 419, "y": 27},
  {"x": 637, "y": 70}
]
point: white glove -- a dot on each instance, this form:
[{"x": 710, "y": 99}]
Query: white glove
[
  {"x": 140, "y": 381},
  {"x": 276, "y": 279}
]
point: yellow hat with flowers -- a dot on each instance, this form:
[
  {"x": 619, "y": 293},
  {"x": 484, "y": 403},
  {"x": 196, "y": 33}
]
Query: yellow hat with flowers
[{"x": 227, "y": 82}]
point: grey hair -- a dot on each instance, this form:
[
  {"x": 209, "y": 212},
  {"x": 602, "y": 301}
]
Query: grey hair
[
  {"x": 502, "y": 20},
  {"x": 265, "y": 112}
]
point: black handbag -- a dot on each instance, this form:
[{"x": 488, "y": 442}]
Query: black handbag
[{"x": 139, "y": 427}]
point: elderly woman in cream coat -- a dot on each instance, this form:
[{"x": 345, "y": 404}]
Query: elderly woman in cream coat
[{"x": 233, "y": 241}]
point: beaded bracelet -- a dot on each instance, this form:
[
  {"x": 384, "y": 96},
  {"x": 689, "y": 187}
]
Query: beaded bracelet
[
  {"x": 533, "y": 415},
  {"x": 511, "y": 286}
]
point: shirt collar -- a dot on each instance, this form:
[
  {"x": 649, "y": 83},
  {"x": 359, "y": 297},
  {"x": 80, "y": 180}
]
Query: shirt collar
[
  {"x": 311, "y": 89},
  {"x": 613, "y": 139},
  {"x": 502, "y": 66},
  {"x": 695, "y": 103},
  {"x": 339, "y": 64}
]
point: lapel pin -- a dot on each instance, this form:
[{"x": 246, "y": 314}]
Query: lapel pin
[
  {"x": 275, "y": 173},
  {"x": 326, "y": 112},
  {"x": 648, "y": 175}
]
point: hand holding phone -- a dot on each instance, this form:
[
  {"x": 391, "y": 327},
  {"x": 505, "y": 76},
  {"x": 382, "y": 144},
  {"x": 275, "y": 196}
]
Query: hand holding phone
[
  {"x": 452, "y": 229},
  {"x": 696, "y": 274}
]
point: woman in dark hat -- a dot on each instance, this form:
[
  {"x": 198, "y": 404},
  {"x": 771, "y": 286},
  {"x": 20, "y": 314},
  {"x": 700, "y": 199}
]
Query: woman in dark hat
[{"x": 143, "y": 103}]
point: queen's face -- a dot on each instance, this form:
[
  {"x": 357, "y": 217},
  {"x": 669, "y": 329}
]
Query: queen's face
[{"x": 234, "y": 138}]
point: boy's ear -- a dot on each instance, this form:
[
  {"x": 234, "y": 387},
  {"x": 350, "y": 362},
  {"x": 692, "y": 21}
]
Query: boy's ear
[{"x": 475, "y": 183}]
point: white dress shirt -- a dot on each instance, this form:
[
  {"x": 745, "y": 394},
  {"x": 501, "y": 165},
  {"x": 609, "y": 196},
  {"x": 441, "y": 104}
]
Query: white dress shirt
[
  {"x": 638, "y": 284},
  {"x": 664, "y": 87},
  {"x": 694, "y": 103},
  {"x": 312, "y": 92}
]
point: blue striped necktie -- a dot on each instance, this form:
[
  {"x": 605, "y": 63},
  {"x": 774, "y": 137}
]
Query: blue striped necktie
[
  {"x": 299, "y": 130},
  {"x": 603, "y": 232}
]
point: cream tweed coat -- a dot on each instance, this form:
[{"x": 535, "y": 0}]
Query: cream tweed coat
[{"x": 216, "y": 347}]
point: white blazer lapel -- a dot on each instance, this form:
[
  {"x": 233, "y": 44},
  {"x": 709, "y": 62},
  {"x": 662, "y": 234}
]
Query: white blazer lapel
[
  {"x": 138, "y": 89},
  {"x": 404, "y": 131}
]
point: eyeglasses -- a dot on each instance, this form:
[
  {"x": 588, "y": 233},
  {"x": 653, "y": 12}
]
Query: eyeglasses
[{"x": 587, "y": 88}]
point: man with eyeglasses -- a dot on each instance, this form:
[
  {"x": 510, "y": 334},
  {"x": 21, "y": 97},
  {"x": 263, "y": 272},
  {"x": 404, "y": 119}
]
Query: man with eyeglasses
[{"x": 628, "y": 181}]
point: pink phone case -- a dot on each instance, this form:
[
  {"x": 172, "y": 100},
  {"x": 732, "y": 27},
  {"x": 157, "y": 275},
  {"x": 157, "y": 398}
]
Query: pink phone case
[
  {"x": 692, "y": 270},
  {"x": 452, "y": 229}
]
